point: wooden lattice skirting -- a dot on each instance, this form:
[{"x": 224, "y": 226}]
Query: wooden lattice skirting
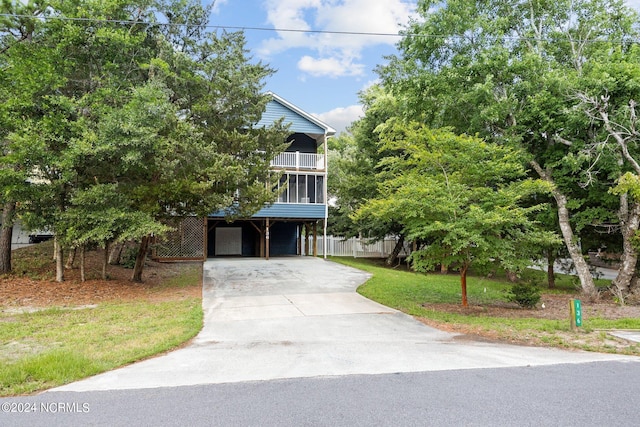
[{"x": 185, "y": 243}]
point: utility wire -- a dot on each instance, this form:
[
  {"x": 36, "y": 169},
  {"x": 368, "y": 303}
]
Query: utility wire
[
  {"x": 207, "y": 26},
  {"x": 293, "y": 30}
]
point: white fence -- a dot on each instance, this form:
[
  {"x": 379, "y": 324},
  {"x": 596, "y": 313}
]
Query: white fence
[{"x": 358, "y": 248}]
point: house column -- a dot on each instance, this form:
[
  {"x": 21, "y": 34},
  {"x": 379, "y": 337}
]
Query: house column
[
  {"x": 205, "y": 239},
  {"x": 266, "y": 239},
  {"x": 325, "y": 249},
  {"x": 315, "y": 239},
  {"x": 326, "y": 195},
  {"x": 306, "y": 238}
]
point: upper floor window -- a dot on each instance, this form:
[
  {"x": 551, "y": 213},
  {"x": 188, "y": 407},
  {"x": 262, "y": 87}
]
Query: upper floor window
[{"x": 300, "y": 188}]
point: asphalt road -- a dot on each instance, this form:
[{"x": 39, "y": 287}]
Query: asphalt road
[{"x": 592, "y": 394}]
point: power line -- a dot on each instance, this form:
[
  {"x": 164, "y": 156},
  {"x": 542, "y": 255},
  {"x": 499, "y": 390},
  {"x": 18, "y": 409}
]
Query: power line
[
  {"x": 293, "y": 30},
  {"x": 207, "y": 26}
]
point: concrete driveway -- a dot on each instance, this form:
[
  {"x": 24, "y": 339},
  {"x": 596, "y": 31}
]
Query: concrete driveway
[{"x": 301, "y": 317}]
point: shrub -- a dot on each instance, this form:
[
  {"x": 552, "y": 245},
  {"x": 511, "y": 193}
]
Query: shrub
[
  {"x": 525, "y": 295},
  {"x": 128, "y": 259}
]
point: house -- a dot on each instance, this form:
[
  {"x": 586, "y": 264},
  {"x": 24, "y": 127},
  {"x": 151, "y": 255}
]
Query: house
[{"x": 282, "y": 228}]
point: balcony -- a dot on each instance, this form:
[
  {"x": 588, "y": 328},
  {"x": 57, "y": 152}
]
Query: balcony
[{"x": 299, "y": 161}]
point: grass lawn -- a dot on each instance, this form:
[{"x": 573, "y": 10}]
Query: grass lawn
[
  {"x": 46, "y": 346},
  {"x": 435, "y": 299},
  {"x": 56, "y": 346}
]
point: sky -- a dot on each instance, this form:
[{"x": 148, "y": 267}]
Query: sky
[{"x": 318, "y": 72}]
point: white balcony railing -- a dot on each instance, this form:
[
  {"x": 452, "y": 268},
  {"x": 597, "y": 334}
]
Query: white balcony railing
[{"x": 297, "y": 160}]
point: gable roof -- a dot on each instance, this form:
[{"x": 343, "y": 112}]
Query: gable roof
[{"x": 298, "y": 120}]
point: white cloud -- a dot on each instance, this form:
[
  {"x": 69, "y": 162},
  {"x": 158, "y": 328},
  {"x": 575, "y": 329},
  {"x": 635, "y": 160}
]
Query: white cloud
[
  {"x": 341, "y": 118},
  {"x": 331, "y": 67},
  {"x": 342, "y": 51}
]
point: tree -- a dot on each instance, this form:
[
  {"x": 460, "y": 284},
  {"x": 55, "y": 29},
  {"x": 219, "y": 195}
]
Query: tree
[
  {"x": 350, "y": 180},
  {"x": 141, "y": 121},
  {"x": 609, "y": 88},
  {"x": 24, "y": 71},
  {"x": 469, "y": 201},
  {"x": 510, "y": 72}
]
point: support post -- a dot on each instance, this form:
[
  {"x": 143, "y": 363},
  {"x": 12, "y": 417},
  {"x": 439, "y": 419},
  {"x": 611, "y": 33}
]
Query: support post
[
  {"x": 266, "y": 239},
  {"x": 205, "y": 239},
  {"x": 306, "y": 238},
  {"x": 315, "y": 239},
  {"x": 325, "y": 194},
  {"x": 262, "y": 239}
]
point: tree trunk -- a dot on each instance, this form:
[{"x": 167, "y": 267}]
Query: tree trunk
[
  {"x": 393, "y": 256},
  {"x": 463, "y": 284},
  {"x": 105, "y": 261},
  {"x": 6, "y": 235},
  {"x": 59, "y": 256},
  {"x": 116, "y": 254},
  {"x": 551, "y": 276},
  {"x": 71, "y": 259},
  {"x": 140, "y": 259},
  {"x": 82, "y": 271},
  {"x": 582, "y": 268},
  {"x": 629, "y": 216},
  {"x": 512, "y": 276}
]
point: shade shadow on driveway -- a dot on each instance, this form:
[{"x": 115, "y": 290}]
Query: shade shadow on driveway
[{"x": 301, "y": 317}]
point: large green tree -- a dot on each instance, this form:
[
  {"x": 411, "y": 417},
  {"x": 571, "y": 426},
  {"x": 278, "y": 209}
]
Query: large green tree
[
  {"x": 512, "y": 72},
  {"x": 25, "y": 73},
  {"x": 148, "y": 117},
  {"x": 468, "y": 201},
  {"x": 354, "y": 163}
]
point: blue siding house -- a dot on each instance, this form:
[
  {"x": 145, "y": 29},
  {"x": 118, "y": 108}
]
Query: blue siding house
[{"x": 284, "y": 227}]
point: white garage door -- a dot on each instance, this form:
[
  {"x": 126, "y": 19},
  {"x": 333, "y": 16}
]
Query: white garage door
[{"x": 229, "y": 241}]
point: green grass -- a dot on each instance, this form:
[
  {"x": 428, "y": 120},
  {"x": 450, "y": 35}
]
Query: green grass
[
  {"x": 406, "y": 290},
  {"x": 564, "y": 282},
  {"x": 418, "y": 295},
  {"x": 56, "y": 346},
  {"x": 186, "y": 279}
]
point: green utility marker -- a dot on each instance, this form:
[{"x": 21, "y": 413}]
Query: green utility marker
[{"x": 576, "y": 313}]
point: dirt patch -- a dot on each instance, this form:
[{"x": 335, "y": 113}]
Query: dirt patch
[
  {"x": 20, "y": 290},
  {"x": 551, "y": 306},
  {"x": 556, "y": 307}
]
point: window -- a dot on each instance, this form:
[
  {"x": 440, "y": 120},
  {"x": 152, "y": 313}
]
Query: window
[
  {"x": 301, "y": 188},
  {"x": 284, "y": 194},
  {"x": 311, "y": 188},
  {"x": 319, "y": 189},
  {"x": 293, "y": 188}
]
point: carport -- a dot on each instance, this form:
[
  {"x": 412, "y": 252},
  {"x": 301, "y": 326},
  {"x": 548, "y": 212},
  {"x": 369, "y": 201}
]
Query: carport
[{"x": 262, "y": 237}]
